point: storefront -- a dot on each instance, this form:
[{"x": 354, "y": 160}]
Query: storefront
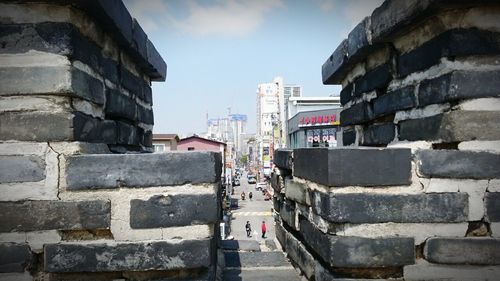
[{"x": 314, "y": 128}]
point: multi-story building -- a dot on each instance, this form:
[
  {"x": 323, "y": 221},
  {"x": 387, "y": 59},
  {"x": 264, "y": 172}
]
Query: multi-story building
[
  {"x": 289, "y": 91},
  {"x": 238, "y": 123}
]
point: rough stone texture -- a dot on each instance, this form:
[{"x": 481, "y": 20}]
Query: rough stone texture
[
  {"x": 160, "y": 255},
  {"x": 281, "y": 234},
  {"x": 459, "y": 85},
  {"x": 492, "y": 206},
  {"x": 451, "y": 43},
  {"x": 241, "y": 245},
  {"x": 344, "y": 251},
  {"x": 376, "y": 208},
  {"x": 393, "y": 101},
  {"x": 141, "y": 170},
  {"x": 428, "y": 271},
  {"x": 353, "y": 166},
  {"x": 348, "y": 137},
  {"x": 346, "y": 93},
  {"x": 287, "y": 213},
  {"x": 477, "y": 250},
  {"x": 268, "y": 274},
  {"x": 379, "y": 134},
  {"x": 255, "y": 259},
  {"x": 21, "y": 168},
  {"x": 283, "y": 158},
  {"x": 173, "y": 210},
  {"x": 276, "y": 182},
  {"x": 455, "y": 126},
  {"x": 330, "y": 69},
  {"x": 376, "y": 78},
  {"x": 15, "y": 257},
  {"x": 45, "y": 215},
  {"x": 357, "y": 114},
  {"x": 299, "y": 254},
  {"x": 295, "y": 191},
  {"x": 458, "y": 164},
  {"x": 119, "y": 105},
  {"x": 35, "y": 126}
]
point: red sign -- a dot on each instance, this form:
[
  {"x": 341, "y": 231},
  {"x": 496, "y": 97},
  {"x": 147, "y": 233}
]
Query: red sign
[{"x": 318, "y": 120}]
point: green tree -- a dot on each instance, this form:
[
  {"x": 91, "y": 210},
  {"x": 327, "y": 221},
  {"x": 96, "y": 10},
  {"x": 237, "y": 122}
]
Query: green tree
[{"x": 244, "y": 160}]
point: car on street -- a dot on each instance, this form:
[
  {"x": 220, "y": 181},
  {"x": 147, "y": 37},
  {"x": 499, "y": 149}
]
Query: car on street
[
  {"x": 261, "y": 186},
  {"x": 251, "y": 179}
]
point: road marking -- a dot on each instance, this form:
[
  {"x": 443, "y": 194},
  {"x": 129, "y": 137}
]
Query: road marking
[{"x": 252, "y": 214}]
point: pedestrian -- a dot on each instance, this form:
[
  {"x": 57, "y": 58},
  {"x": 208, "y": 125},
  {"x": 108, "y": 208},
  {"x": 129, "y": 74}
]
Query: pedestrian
[
  {"x": 248, "y": 228},
  {"x": 263, "y": 228},
  {"x": 250, "y": 195}
]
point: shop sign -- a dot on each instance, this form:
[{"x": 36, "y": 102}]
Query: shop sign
[{"x": 320, "y": 120}]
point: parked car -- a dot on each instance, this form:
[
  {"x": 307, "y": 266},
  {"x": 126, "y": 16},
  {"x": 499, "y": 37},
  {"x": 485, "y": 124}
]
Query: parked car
[
  {"x": 251, "y": 179},
  {"x": 261, "y": 186}
]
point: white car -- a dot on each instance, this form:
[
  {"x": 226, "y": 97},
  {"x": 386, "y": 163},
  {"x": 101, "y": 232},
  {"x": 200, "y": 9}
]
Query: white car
[{"x": 261, "y": 186}]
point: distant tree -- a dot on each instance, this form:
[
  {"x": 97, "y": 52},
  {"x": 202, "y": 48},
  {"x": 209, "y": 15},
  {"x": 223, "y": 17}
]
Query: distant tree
[{"x": 244, "y": 160}]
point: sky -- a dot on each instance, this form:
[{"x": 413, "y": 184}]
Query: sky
[{"x": 218, "y": 51}]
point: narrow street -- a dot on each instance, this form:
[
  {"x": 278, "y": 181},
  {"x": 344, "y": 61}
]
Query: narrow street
[{"x": 254, "y": 257}]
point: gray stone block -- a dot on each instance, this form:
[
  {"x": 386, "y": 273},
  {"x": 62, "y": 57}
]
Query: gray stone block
[
  {"x": 358, "y": 252},
  {"x": 119, "y": 105},
  {"x": 356, "y": 114},
  {"x": 283, "y": 158},
  {"x": 276, "y": 182},
  {"x": 378, "y": 208},
  {"x": 59, "y": 215},
  {"x": 36, "y": 126},
  {"x": 269, "y": 274},
  {"x": 89, "y": 129},
  {"x": 141, "y": 170},
  {"x": 393, "y": 101},
  {"x": 458, "y": 164},
  {"x": 357, "y": 40},
  {"x": 454, "y": 126},
  {"x": 299, "y": 255},
  {"x": 353, "y": 166},
  {"x": 21, "y": 168},
  {"x": 101, "y": 257},
  {"x": 145, "y": 115},
  {"x": 287, "y": 213},
  {"x": 156, "y": 62},
  {"x": 492, "y": 206},
  {"x": 377, "y": 78},
  {"x": 128, "y": 134},
  {"x": 459, "y": 85},
  {"x": 174, "y": 210},
  {"x": 469, "y": 250},
  {"x": 379, "y": 134},
  {"x": 330, "y": 69},
  {"x": 281, "y": 234},
  {"x": 295, "y": 191},
  {"x": 348, "y": 137},
  {"x": 255, "y": 259},
  {"x": 15, "y": 257}
]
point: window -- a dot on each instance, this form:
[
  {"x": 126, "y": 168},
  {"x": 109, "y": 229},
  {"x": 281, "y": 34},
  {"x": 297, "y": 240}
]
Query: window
[
  {"x": 190, "y": 148},
  {"x": 159, "y": 147}
]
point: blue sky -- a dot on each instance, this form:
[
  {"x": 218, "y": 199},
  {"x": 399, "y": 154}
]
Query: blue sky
[{"x": 218, "y": 51}]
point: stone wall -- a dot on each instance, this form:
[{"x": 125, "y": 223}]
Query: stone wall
[
  {"x": 78, "y": 198},
  {"x": 414, "y": 195}
]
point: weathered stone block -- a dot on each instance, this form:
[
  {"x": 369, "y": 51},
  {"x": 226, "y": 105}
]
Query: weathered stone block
[
  {"x": 287, "y": 213},
  {"x": 357, "y": 114},
  {"x": 454, "y": 126},
  {"x": 36, "y": 126},
  {"x": 86, "y": 128},
  {"x": 295, "y": 191},
  {"x": 15, "y": 257},
  {"x": 338, "y": 250},
  {"x": 492, "y": 205},
  {"x": 145, "y": 115},
  {"x": 276, "y": 181},
  {"x": 281, "y": 234},
  {"x": 139, "y": 39},
  {"x": 131, "y": 82},
  {"x": 255, "y": 259},
  {"x": 377, "y": 78},
  {"x": 330, "y": 69},
  {"x": 46, "y": 215},
  {"x": 173, "y": 210},
  {"x": 379, "y": 134},
  {"x": 459, "y": 85},
  {"x": 476, "y": 250},
  {"x": 156, "y": 62},
  {"x": 353, "y": 166},
  {"x": 283, "y": 158},
  {"x": 458, "y": 164},
  {"x": 128, "y": 134},
  {"x": 358, "y": 38},
  {"x": 21, "y": 168},
  {"x": 299, "y": 254},
  {"x": 393, "y": 101},
  {"x": 377, "y": 208},
  {"x": 160, "y": 255},
  {"x": 119, "y": 105},
  {"x": 141, "y": 170},
  {"x": 348, "y": 137},
  {"x": 451, "y": 43},
  {"x": 346, "y": 93},
  {"x": 240, "y": 245}
]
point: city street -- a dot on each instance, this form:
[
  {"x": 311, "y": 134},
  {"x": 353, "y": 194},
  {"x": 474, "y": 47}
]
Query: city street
[{"x": 255, "y": 211}]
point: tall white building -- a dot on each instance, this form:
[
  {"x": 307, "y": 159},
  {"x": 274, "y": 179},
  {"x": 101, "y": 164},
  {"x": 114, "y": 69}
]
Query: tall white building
[
  {"x": 238, "y": 123},
  {"x": 289, "y": 91}
]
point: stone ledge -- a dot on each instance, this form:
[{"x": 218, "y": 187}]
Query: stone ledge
[
  {"x": 353, "y": 166},
  {"x": 377, "y": 252},
  {"x": 457, "y": 164},
  {"x": 100, "y": 171},
  {"x": 299, "y": 254},
  {"x": 473, "y": 251},
  {"x": 15, "y": 257},
  {"x": 173, "y": 210},
  {"x": 454, "y": 126},
  {"x": 377, "y": 208},
  {"x": 283, "y": 158},
  {"x": 101, "y": 257},
  {"x": 59, "y": 215}
]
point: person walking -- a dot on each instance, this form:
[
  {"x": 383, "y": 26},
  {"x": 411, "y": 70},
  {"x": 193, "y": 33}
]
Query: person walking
[
  {"x": 250, "y": 195},
  {"x": 248, "y": 228},
  {"x": 263, "y": 228}
]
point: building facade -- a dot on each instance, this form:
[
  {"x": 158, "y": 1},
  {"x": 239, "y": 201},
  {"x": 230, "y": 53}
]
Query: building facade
[
  {"x": 316, "y": 128},
  {"x": 165, "y": 142}
]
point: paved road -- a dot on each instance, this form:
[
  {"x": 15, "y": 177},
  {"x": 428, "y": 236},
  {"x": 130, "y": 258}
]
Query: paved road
[{"x": 254, "y": 258}]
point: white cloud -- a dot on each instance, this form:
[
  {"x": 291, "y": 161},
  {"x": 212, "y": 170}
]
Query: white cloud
[
  {"x": 356, "y": 10},
  {"x": 222, "y": 17}
]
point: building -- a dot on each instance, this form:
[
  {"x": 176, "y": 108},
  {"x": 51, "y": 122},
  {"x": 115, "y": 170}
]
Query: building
[
  {"x": 165, "y": 142},
  {"x": 301, "y": 104},
  {"x": 317, "y": 128},
  {"x": 289, "y": 91},
  {"x": 238, "y": 124}
]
